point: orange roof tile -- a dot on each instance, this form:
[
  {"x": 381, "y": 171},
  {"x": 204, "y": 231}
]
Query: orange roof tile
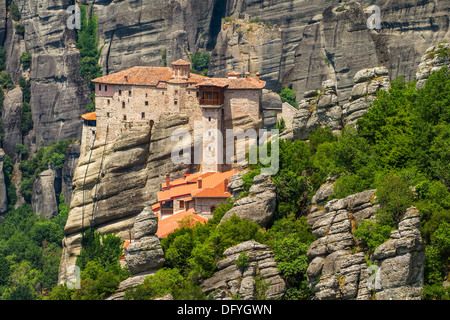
[
  {"x": 211, "y": 180},
  {"x": 172, "y": 223},
  {"x": 144, "y": 76},
  {"x": 91, "y": 116},
  {"x": 181, "y": 62},
  {"x": 238, "y": 83}
]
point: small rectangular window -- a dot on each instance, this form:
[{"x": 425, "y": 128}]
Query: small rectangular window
[
  {"x": 176, "y": 91},
  {"x": 209, "y": 119},
  {"x": 175, "y": 101},
  {"x": 124, "y": 117},
  {"x": 99, "y": 87},
  {"x": 146, "y": 103},
  {"x": 120, "y": 92},
  {"x": 129, "y": 93},
  {"x": 123, "y": 105},
  {"x": 181, "y": 204},
  {"x": 108, "y": 102},
  {"x": 143, "y": 115},
  {"x": 107, "y": 114}
]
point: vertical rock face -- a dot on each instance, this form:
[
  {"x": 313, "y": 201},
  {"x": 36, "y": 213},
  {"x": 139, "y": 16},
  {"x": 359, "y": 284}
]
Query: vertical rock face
[
  {"x": 72, "y": 155},
  {"x": 231, "y": 281},
  {"x": 43, "y": 198},
  {"x": 320, "y": 42},
  {"x": 114, "y": 184},
  {"x": 336, "y": 271},
  {"x": 58, "y": 93},
  {"x": 3, "y": 198},
  {"x": 12, "y": 121},
  {"x": 243, "y": 46}
]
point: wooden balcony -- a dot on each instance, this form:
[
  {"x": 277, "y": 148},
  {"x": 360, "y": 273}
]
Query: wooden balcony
[
  {"x": 211, "y": 102},
  {"x": 166, "y": 211}
]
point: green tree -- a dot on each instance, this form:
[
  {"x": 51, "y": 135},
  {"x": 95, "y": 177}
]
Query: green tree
[
  {"x": 288, "y": 95},
  {"x": 25, "y": 59},
  {"x": 200, "y": 62}
]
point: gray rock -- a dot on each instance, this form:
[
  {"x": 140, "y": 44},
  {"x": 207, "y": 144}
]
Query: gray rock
[
  {"x": 144, "y": 255},
  {"x": 229, "y": 280},
  {"x": 259, "y": 206},
  {"x": 43, "y": 198},
  {"x": 3, "y": 197},
  {"x": 146, "y": 224}
]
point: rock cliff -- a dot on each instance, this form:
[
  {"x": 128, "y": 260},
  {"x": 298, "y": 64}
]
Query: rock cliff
[
  {"x": 116, "y": 181},
  {"x": 339, "y": 270},
  {"x": 230, "y": 281}
]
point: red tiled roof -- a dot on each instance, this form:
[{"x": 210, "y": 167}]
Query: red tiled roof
[
  {"x": 181, "y": 62},
  {"x": 89, "y": 116},
  {"x": 172, "y": 223},
  {"x": 239, "y": 83},
  {"x": 212, "y": 186}
]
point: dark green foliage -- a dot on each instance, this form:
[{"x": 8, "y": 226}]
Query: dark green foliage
[
  {"x": 8, "y": 168},
  {"x": 288, "y": 95},
  {"x": 15, "y": 12},
  {"x": 200, "y": 62},
  {"x": 281, "y": 125},
  {"x": 6, "y": 80},
  {"x": 90, "y": 53},
  {"x": 164, "y": 57},
  {"x": 167, "y": 281},
  {"x": 53, "y": 154},
  {"x": 103, "y": 249},
  {"x": 31, "y": 247},
  {"x": 373, "y": 233},
  {"x": 27, "y": 118},
  {"x": 242, "y": 261},
  {"x": 25, "y": 59},
  {"x": 20, "y": 29},
  {"x": 2, "y": 58},
  {"x": 25, "y": 85}
]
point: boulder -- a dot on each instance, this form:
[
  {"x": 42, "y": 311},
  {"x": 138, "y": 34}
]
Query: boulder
[
  {"x": 229, "y": 280},
  {"x": 259, "y": 206},
  {"x": 43, "y": 197}
]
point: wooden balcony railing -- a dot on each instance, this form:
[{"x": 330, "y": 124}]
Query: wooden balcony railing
[
  {"x": 211, "y": 102},
  {"x": 166, "y": 211}
]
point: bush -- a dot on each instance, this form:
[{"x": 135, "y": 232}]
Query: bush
[
  {"x": 15, "y": 12},
  {"x": 373, "y": 234},
  {"x": 25, "y": 59},
  {"x": 242, "y": 261},
  {"x": 6, "y": 80},
  {"x": 20, "y": 29},
  {"x": 288, "y": 95},
  {"x": 200, "y": 62}
]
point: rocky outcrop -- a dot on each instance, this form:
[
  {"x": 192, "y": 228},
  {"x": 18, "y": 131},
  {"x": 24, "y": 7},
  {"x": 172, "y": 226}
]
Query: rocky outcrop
[
  {"x": 12, "y": 121},
  {"x": 401, "y": 261},
  {"x": 338, "y": 271},
  {"x": 259, "y": 206},
  {"x": 434, "y": 59},
  {"x": 320, "y": 41},
  {"x": 246, "y": 45},
  {"x": 231, "y": 282},
  {"x": 145, "y": 253},
  {"x": 114, "y": 184},
  {"x": 368, "y": 83},
  {"x": 236, "y": 184},
  {"x": 318, "y": 109},
  {"x": 43, "y": 198},
  {"x": 3, "y": 197},
  {"x": 72, "y": 155}
]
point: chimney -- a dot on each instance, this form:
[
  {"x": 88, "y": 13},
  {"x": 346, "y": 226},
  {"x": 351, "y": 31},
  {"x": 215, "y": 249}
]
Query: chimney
[
  {"x": 126, "y": 79},
  {"x": 247, "y": 75},
  {"x": 200, "y": 183},
  {"x": 225, "y": 184},
  {"x": 258, "y": 75},
  {"x": 167, "y": 179}
]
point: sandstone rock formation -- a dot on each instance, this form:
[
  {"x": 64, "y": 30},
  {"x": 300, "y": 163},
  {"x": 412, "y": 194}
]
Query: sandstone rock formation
[
  {"x": 43, "y": 198},
  {"x": 246, "y": 46},
  {"x": 145, "y": 253},
  {"x": 72, "y": 155},
  {"x": 338, "y": 271},
  {"x": 3, "y": 197},
  {"x": 434, "y": 59},
  {"x": 401, "y": 261},
  {"x": 318, "y": 109},
  {"x": 320, "y": 42},
  {"x": 259, "y": 206},
  {"x": 230, "y": 281},
  {"x": 12, "y": 121},
  {"x": 367, "y": 83},
  {"x": 117, "y": 181}
]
